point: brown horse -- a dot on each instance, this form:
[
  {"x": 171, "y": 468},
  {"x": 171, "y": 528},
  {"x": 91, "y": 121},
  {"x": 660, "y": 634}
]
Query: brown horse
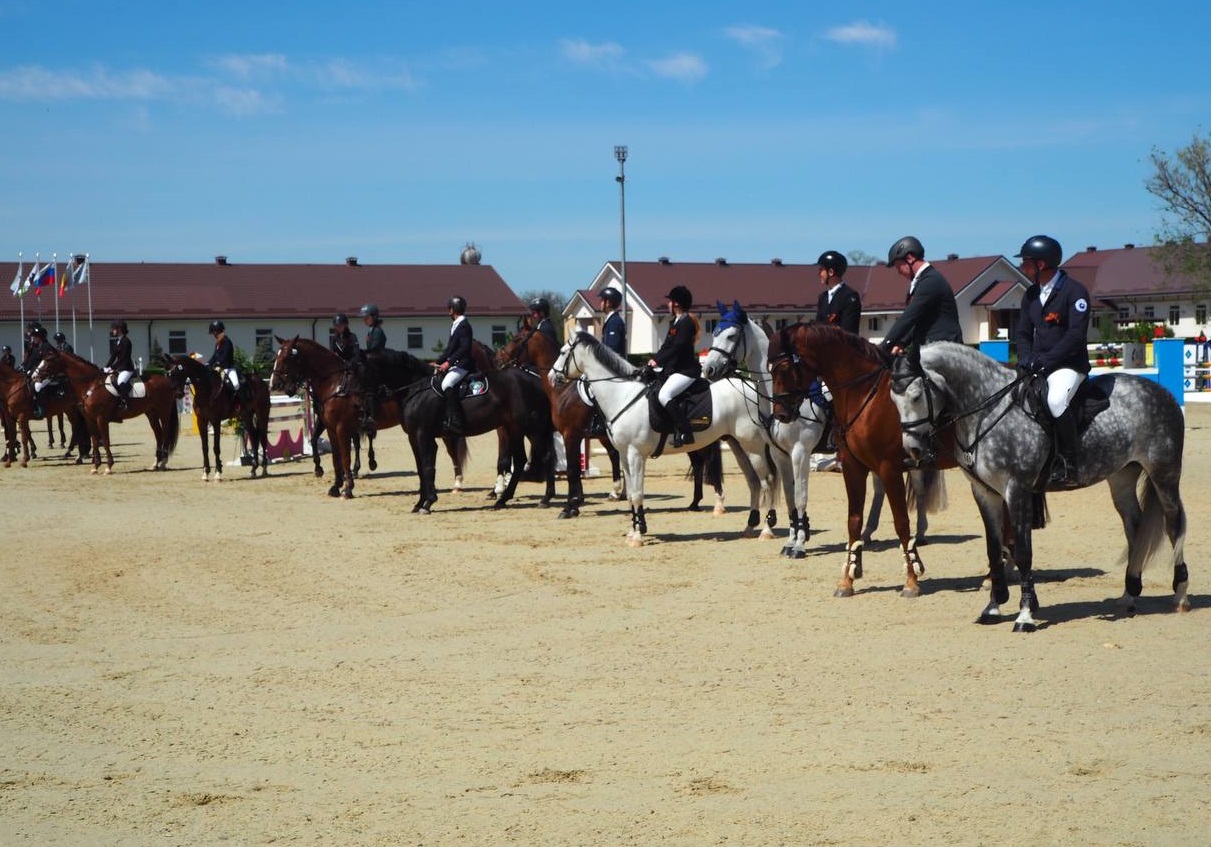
[
  {"x": 534, "y": 351},
  {"x": 99, "y": 403},
  {"x": 867, "y": 429},
  {"x": 213, "y": 405},
  {"x": 17, "y": 398}
]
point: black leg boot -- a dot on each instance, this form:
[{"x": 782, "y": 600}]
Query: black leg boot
[
  {"x": 369, "y": 412},
  {"x": 1063, "y": 469},
  {"x": 456, "y": 421},
  {"x": 680, "y": 413}
]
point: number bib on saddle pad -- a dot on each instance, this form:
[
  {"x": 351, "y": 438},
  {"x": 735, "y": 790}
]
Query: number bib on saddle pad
[
  {"x": 698, "y": 398},
  {"x": 138, "y": 388},
  {"x": 471, "y": 385}
]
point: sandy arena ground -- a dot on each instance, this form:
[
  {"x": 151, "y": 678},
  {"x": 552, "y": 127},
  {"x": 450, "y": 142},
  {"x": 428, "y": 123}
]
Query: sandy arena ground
[{"x": 256, "y": 663}]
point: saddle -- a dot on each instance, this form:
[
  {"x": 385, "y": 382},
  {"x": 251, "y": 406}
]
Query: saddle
[
  {"x": 471, "y": 385},
  {"x": 698, "y": 407},
  {"x": 1090, "y": 401}
]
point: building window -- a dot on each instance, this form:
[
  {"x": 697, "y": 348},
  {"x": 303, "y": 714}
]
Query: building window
[
  {"x": 1149, "y": 312},
  {"x": 416, "y": 338},
  {"x": 264, "y": 340},
  {"x": 500, "y": 335},
  {"x": 1124, "y": 313},
  {"x": 1096, "y": 322},
  {"x": 176, "y": 343},
  {"x": 709, "y": 325},
  {"x": 1175, "y": 314},
  {"x": 780, "y": 324},
  {"x": 1200, "y": 314},
  {"x": 872, "y": 324}
]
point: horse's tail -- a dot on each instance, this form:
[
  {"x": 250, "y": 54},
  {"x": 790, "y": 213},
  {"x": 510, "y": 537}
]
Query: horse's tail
[
  {"x": 1038, "y": 511},
  {"x": 1150, "y": 533},
  {"x": 710, "y": 460},
  {"x": 462, "y": 451},
  {"x": 932, "y": 493},
  {"x": 172, "y": 430}
]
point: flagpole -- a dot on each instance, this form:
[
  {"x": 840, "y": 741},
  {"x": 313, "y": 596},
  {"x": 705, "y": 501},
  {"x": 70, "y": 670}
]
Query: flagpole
[
  {"x": 21, "y": 294},
  {"x": 91, "y": 357},
  {"x": 54, "y": 263}
]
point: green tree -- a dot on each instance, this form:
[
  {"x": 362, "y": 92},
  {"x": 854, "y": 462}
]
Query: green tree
[
  {"x": 860, "y": 257},
  {"x": 557, "y": 301},
  {"x": 1182, "y": 182}
]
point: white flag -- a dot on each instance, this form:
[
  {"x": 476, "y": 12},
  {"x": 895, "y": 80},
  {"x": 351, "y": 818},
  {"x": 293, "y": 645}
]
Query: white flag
[
  {"x": 16, "y": 286},
  {"x": 28, "y": 282},
  {"x": 79, "y": 274}
]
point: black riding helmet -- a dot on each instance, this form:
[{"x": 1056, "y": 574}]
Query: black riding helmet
[
  {"x": 37, "y": 331},
  {"x": 59, "y": 336},
  {"x": 833, "y": 261},
  {"x": 341, "y": 319},
  {"x": 901, "y": 249},
  {"x": 1044, "y": 248},
  {"x": 458, "y": 304},
  {"x": 368, "y": 311},
  {"x": 6, "y": 349},
  {"x": 216, "y": 327},
  {"x": 681, "y": 296},
  {"x": 612, "y": 296},
  {"x": 119, "y": 325},
  {"x": 540, "y": 305}
]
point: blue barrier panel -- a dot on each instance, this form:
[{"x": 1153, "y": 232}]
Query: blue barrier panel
[
  {"x": 1168, "y": 356},
  {"x": 998, "y": 350}
]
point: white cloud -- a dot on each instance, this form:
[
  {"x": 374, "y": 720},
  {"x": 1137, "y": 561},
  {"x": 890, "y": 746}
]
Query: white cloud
[
  {"x": 764, "y": 41},
  {"x": 685, "y": 67},
  {"x": 37, "y": 83},
  {"x": 244, "y": 102},
  {"x": 248, "y": 66},
  {"x": 581, "y": 52},
  {"x": 863, "y": 33}
]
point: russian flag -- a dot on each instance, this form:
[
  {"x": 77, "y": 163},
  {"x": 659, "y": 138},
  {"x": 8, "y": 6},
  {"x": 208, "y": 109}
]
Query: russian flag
[{"x": 45, "y": 277}]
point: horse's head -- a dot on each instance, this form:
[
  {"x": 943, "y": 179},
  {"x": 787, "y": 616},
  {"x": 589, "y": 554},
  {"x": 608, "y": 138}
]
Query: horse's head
[
  {"x": 792, "y": 374},
  {"x": 566, "y": 367},
  {"x": 919, "y": 398},
  {"x": 175, "y": 370},
  {"x": 730, "y": 348},
  {"x": 52, "y": 364},
  {"x": 514, "y": 352},
  {"x": 287, "y": 367}
]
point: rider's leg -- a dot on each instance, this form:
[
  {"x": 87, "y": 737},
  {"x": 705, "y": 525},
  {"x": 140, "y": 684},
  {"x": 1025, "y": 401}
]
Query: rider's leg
[
  {"x": 674, "y": 404},
  {"x": 456, "y": 420},
  {"x": 1061, "y": 387}
]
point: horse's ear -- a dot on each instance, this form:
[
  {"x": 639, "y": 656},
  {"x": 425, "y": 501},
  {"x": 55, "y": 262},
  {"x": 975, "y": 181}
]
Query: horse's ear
[
  {"x": 736, "y": 305},
  {"x": 279, "y": 340},
  {"x": 722, "y": 308}
]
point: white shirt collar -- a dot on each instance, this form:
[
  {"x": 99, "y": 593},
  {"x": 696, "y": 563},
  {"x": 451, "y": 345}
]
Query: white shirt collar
[{"x": 456, "y": 322}]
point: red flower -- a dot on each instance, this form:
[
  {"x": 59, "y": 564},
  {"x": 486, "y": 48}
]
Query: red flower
[
  {"x": 1052, "y": 318},
  {"x": 832, "y": 319}
]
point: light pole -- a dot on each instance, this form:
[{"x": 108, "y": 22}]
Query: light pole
[{"x": 620, "y": 153}]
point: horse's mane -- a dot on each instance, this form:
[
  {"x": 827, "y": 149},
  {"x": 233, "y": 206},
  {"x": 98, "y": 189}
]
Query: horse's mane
[
  {"x": 607, "y": 357},
  {"x": 824, "y": 332},
  {"x": 79, "y": 360},
  {"x": 968, "y": 361}
]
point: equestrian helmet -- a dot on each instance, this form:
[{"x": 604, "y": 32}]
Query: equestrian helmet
[
  {"x": 38, "y": 332},
  {"x": 33, "y": 325},
  {"x": 341, "y": 319},
  {"x": 833, "y": 261},
  {"x": 1044, "y": 248},
  {"x": 612, "y": 296},
  {"x": 458, "y": 304},
  {"x": 6, "y": 349},
  {"x": 540, "y": 305},
  {"x": 119, "y": 325},
  {"x": 902, "y": 248},
  {"x": 60, "y": 337},
  {"x": 216, "y": 327},
  {"x": 368, "y": 311},
  {"x": 680, "y": 296}
]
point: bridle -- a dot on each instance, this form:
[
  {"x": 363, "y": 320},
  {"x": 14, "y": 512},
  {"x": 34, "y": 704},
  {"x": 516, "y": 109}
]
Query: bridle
[{"x": 738, "y": 352}]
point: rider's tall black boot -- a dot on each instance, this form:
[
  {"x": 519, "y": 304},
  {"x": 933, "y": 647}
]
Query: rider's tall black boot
[
  {"x": 679, "y": 411},
  {"x": 456, "y": 421},
  {"x": 369, "y": 412},
  {"x": 1063, "y": 469}
]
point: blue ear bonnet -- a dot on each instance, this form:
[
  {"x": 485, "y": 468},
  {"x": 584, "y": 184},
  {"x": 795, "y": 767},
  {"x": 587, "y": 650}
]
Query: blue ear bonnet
[{"x": 730, "y": 316}]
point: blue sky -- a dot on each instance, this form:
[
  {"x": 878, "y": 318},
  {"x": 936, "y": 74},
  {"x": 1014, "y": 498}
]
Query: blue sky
[{"x": 308, "y": 131}]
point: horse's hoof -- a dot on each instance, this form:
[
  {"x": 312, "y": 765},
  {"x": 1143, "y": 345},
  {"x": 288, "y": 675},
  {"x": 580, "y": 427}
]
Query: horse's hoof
[
  {"x": 218, "y": 478},
  {"x": 632, "y": 541},
  {"x": 613, "y": 497},
  {"x": 347, "y": 495},
  {"x": 421, "y": 510},
  {"x": 544, "y": 503},
  {"x": 787, "y": 552},
  {"x": 373, "y": 465},
  {"x": 799, "y": 554},
  {"x": 720, "y": 510},
  {"x": 109, "y": 471},
  {"x": 1024, "y": 627},
  {"x": 767, "y": 534},
  {"x": 334, "y": 492},
  {"x": 910, "y": 593},
  {"x": 844, "y": 592},
  {"x": 988, "y": 618},
  {"x": 693, "y": 507},
  {"x": 318, "y": 473},
  {"x": 500, "y": 504}
]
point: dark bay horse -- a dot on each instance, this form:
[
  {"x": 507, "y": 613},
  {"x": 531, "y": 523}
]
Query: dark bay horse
[
  {"x": 1004, "y": 447},
  {"x": 511, "y": 402},
  {"x": 17, "y": 398},
  {"x": 152, "y": 396},
  {"x": 867, "y": 430},
  {"x": 213, "y": 405},
  {"x": 534, "y": 352}
]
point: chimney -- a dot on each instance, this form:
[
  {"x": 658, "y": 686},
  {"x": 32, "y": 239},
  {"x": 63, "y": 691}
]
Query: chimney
[
  {"x": 776, "y": 262},
  {"x": 664, "y": 260},
  {"x": 1091, "y": 249},
  {"x": 351, "y": 261},
  {"x": 721, "y": 262},
  {"x": 1128, "y": 246},
  {"x": 950, "y": 257},
  {"x": 220, "y": 260}
]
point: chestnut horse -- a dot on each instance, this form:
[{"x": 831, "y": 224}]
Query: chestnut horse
[
  {"x": 213, "y": 405},
  {"x": 866, "y": 426},
  {"x": 152, "y": 396},
  {"x": 534, "y": 352}
]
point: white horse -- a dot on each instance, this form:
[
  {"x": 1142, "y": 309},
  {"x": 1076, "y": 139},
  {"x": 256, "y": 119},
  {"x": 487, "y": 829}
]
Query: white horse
[
  {"x": 614, "y": 384},
  {"x": 741, "y": 347}
]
